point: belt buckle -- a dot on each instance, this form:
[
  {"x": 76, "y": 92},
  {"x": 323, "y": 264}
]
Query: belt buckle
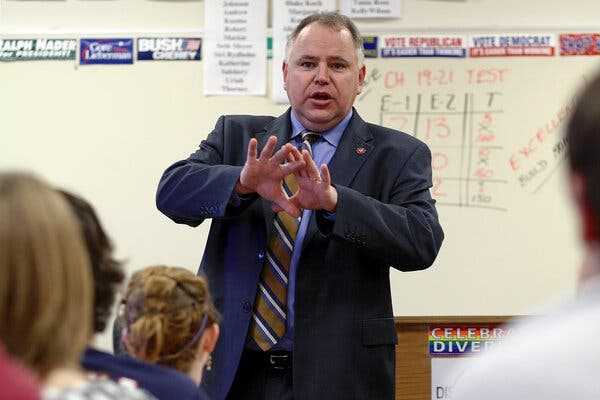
[{"x": 279, "y": 361}]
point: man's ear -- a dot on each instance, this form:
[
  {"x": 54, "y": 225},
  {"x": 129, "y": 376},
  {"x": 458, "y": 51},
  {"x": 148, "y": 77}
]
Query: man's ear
[
  {"x": 284, "y": 70},
  {"x": 587, "y": 218},
  {"x": 362, "y": 73}
]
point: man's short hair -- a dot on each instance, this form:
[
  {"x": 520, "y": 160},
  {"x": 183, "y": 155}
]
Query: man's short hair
[
  {"x": 334, "y": 21},
  {"x": 583, "y": 143}
]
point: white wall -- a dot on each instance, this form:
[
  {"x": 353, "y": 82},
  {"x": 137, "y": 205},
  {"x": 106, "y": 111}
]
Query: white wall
[{"x": 186, "y": 15}]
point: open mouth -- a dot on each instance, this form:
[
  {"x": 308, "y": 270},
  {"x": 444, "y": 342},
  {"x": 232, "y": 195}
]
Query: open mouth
[{"x": 322, "y": 96}]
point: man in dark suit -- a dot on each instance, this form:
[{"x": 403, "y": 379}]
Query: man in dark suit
[{"x": 298, "y": 256}]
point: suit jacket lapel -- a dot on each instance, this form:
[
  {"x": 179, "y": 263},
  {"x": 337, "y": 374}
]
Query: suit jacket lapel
[
  {"x": 352, "y": 152},
  {"x": 280, "y": 127}
]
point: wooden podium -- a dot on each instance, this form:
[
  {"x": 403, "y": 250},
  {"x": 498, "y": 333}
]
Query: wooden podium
[{"x": 413, "y": 363}]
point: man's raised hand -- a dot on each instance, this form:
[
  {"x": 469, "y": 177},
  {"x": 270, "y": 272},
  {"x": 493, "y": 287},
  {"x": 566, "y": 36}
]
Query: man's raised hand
[
  {"x": 264, "y": 174},
  {"x": 315, "y": 191}
]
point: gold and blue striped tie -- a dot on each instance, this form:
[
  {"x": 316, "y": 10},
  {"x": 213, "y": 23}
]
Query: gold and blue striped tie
[{"x": 269, "y": 318}]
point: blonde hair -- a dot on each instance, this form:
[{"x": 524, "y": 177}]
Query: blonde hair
[
  {"x": 165, "y": 310},
  {"x": 45, "y": 280}
]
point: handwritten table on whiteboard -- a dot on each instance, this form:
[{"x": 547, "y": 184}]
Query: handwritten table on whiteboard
[{"x": 462, "y": 131}]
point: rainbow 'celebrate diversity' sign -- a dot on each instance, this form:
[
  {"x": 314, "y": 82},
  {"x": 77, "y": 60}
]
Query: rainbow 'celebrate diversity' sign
[{"x": 453, "y": 340}]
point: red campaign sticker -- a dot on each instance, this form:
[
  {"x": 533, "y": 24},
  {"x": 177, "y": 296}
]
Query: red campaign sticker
[{"x": 579, "y": 44}]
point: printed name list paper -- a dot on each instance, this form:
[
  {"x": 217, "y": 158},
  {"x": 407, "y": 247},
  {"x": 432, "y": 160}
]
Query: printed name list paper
[
  {"x": 235, "y": 61},
  {"x": 370, "y": 8},
  {"x": 286, "y": 16}
]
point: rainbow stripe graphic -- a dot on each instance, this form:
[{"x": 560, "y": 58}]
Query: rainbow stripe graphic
[{"x": 455, "y": 340}]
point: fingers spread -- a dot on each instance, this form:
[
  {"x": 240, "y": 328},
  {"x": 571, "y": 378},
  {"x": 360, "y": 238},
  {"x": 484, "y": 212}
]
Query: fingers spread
[
  {"x": 252, "y": 149},
  {"x": 295, "y": 161},
  {"x": 281, "y": 155},
  {"x": 295, "y": 154},
  {"x": 302, "y": 171},
  {"x": 325, "y": 175},
  {"x": 292, "y": 167},
  {"x": 311, "y": 167},
  {"x": 267, "y": 151}
]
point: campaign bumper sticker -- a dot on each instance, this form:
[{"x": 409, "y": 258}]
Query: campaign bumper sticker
[
  {"x": 106, "y": 51},
  {"x": 169, "y": 49}
]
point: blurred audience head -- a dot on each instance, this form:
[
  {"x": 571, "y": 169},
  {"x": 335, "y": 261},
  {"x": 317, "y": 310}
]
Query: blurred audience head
[
  {"x": 169, "y": 319},
  {"x": 46, "y": 289},
  {"x": 107, "y": 271},
  {"x": 583, "y": 146}
]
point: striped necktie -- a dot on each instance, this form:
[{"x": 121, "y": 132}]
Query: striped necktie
[
  {"x": 269, "y": 318},
  {"x": 308, "y": 139}
]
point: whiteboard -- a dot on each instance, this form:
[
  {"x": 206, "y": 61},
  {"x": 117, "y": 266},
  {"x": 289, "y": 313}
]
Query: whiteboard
[{"x": 495, "y": 131}]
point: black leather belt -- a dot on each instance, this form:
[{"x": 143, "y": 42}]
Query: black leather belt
[{"x": 280, "y": 360}]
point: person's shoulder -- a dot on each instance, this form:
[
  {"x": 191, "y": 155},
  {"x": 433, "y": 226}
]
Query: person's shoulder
[
  {"x": 154, "y": 378},
  {"x": 117, "y": 390},
  {"x": 541, "y": 355},
  {"x": 202, "y": 394},
  {"x": 98, "y": 389},
  {"x": 255, "y": 122},
  {"x": 155, "y": 373},
  {"x": 248, "y": 117},
  {"x": 385, "y": 134}
]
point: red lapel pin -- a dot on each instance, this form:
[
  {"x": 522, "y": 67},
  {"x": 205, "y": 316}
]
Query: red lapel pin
[{"x": 360, "y": 151}]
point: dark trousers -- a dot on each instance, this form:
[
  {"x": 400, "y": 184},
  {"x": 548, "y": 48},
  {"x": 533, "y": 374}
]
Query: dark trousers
[{"x": 263, "y": 376}]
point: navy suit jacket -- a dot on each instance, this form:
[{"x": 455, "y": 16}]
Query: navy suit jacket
[
  {"x": 162, "y": 382},
  {"x": 385, "y": 218}
]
